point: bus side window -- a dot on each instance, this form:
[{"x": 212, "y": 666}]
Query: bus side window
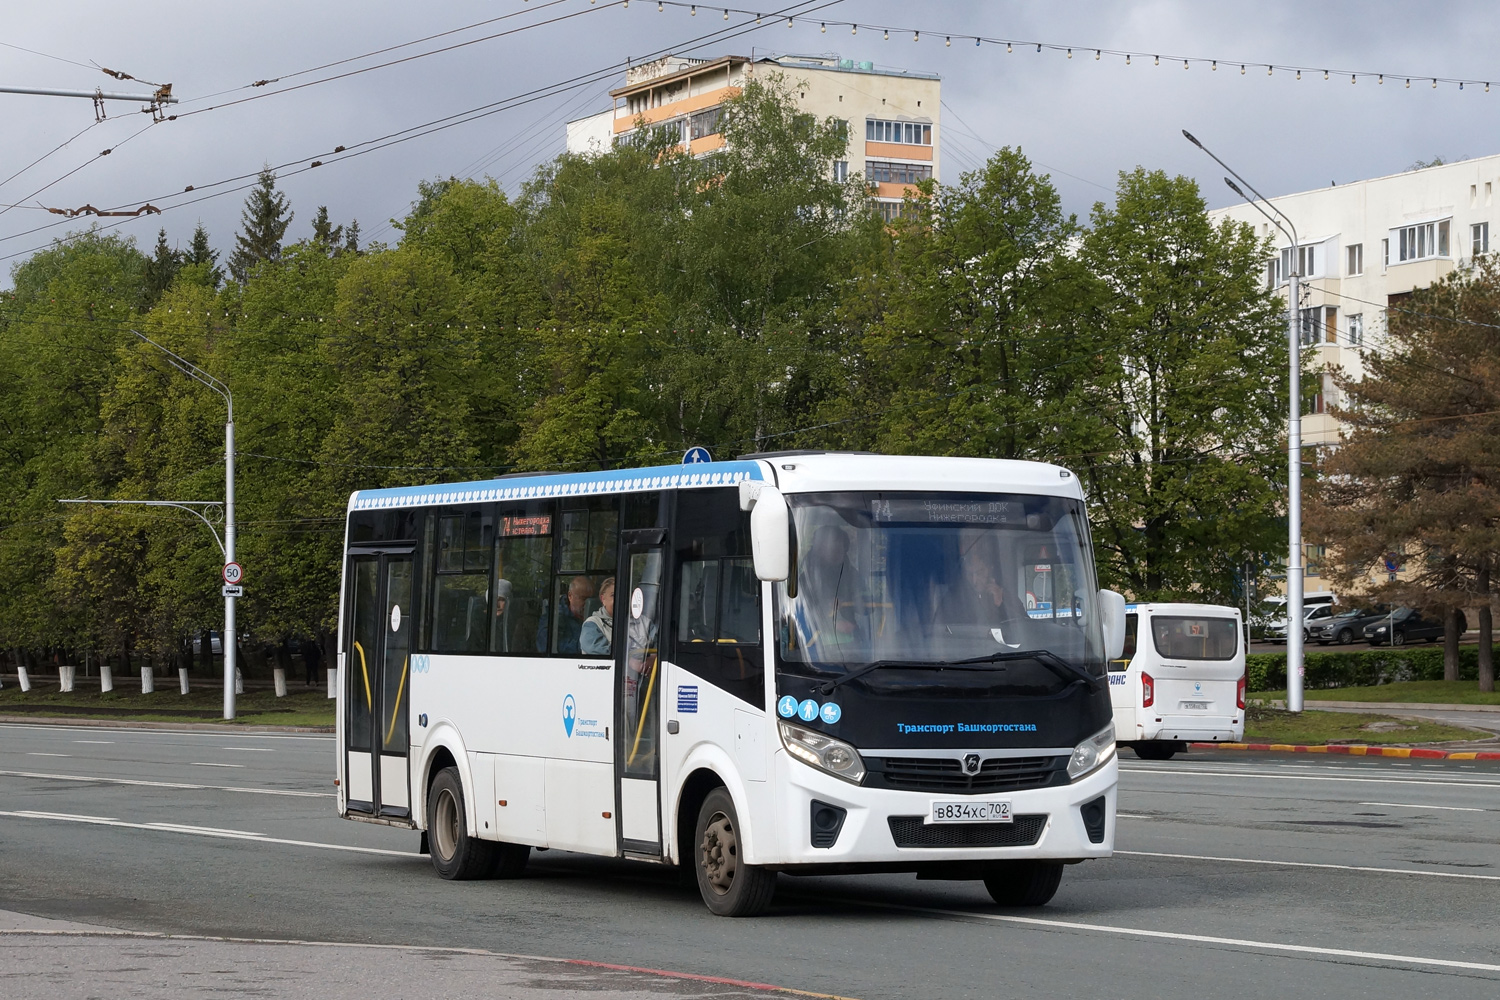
[
  {"x": 523, "y": 569},
  {"x": 1132, "y": 623},
  {"x": 461, "y": 582},
  {"x": 587, "y": 555},
  {"x": 718, "y": 596}
]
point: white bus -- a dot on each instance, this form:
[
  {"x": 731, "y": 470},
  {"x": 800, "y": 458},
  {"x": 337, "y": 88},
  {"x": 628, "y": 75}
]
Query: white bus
[
  {"x": 798, "y": 662},
  {"x": 1180, "y": 677}
]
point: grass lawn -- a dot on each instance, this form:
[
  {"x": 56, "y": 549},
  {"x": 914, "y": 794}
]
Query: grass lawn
[
  {"x": 1426, "y": 692},
  {"x": 204, "y": 704},
  {"x": 1273, "y": 725}
]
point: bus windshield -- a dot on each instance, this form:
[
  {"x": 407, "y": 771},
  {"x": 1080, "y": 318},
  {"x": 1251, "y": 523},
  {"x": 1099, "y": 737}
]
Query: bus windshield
[{"x": 922, "y": 579}]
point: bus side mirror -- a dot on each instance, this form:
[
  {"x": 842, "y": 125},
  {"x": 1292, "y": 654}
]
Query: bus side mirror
[
  {"x": 770, "y": 531},
  {"x": 1112, "y": 616}
]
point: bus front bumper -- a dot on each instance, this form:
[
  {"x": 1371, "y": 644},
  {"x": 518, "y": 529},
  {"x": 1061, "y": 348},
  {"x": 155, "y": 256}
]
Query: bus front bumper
[{"x": 868, "y": 836}]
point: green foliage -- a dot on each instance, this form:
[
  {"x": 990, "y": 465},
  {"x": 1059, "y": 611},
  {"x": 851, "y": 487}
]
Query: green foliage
[
  {"x": 1267, "y": 671},
  {"x": 265, "y": 219}
]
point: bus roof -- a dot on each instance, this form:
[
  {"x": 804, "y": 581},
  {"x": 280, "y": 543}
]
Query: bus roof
[{"x": 793, "y": 473}]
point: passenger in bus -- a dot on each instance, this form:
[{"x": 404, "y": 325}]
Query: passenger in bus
[
  {"x": 597, "y": 635},
  {"x": 994, "y": 605},
  {"x": 570, "y": 621},
  {"x": 503, "y": 590},
  {"x": 827, "y": 589}
]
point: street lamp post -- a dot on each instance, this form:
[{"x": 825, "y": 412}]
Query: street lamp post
[
  {"x": 198, "y": 374},
  {"x": 1294, "y": 652}
]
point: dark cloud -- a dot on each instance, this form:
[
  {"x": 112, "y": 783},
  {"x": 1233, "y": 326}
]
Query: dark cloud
[{"x": 1083, "y": 119}]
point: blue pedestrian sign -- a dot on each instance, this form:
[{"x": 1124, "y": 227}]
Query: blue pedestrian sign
[{"x": 696, "y": 455}]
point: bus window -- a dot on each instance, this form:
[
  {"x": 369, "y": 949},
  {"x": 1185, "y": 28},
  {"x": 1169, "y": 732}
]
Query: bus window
[
  {"x": 1195, "y": 638},
  {"x": 523, "y": 567},
  {"x": 1132, "y": 623},
  {"x": 718, "y": 595},
  {"x": 461, "y": 582},
  {"x": 587, "y": 554}
]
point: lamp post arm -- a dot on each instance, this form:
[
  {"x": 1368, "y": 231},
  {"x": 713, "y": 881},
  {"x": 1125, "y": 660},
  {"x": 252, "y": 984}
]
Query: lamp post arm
[
  {"x": 187, "y": 505},
  {"x": 1194, "y": 140},
  {"x": 192, "y": 371}
]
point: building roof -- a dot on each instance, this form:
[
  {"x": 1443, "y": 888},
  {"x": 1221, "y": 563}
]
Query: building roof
[{"x": 832, "y": 63}]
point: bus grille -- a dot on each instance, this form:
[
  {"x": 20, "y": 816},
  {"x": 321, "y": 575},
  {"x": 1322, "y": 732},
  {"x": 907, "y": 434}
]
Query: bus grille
[
  {"x": 940, "y": 774},
  {"x": 910, "y": 831}
]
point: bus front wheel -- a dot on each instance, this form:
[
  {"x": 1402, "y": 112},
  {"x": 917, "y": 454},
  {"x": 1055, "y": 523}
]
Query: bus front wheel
[
  {"x": 1023, "y": 883},
  {"x": 730, "y": 888},
  {"x": 455, "y": 854}
]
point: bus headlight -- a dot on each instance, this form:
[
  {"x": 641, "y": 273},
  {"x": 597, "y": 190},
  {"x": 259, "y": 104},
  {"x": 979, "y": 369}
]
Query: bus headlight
[
  {"x": 825, "y": 753},
  {"x": 1092, "y": 753}
]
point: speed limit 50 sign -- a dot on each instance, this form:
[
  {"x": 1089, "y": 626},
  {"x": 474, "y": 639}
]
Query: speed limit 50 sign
[{"x": 233, "y": 573}]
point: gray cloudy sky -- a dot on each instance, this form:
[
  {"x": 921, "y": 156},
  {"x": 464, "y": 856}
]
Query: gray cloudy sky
[{"x": 1082, "y": 119}]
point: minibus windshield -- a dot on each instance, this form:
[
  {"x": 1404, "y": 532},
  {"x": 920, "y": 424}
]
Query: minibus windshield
[{"x": 939, "y": 579}]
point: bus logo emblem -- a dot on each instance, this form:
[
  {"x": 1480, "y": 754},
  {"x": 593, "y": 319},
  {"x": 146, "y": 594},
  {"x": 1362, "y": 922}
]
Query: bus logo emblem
[
  {"x": 971, "y": 763},
  {"x": 570, "y": 713}
]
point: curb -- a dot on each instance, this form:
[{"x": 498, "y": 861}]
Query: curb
[
  {"x": 210, "y": 727},
  {"x": 1384, "y": 706},
  {"x": 1423, "y": 753}
]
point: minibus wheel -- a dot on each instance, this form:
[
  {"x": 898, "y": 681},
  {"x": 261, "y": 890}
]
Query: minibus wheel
[
  {"x": 1155, "y": 749},
  {"x": 455, "y": 854},
  {"x": 730, "y": 888},
  {"x": 1023, "y": 883}
]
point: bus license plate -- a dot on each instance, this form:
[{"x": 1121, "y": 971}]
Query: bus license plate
[
  {"x": 1195, "y": 704},
  {"x": 970, "y": 812}
]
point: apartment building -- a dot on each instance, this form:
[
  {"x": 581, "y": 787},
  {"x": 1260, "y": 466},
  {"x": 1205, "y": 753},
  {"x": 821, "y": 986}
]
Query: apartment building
[
  {"x": 1362, "y": 248},
  {"x": 892, "y": 114}
]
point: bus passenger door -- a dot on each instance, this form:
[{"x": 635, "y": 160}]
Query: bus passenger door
[
  {"x": 638, "y": 716},
  {"x": 376, "y": 682}
]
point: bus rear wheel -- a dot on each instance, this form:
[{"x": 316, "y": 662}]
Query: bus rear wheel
[
  {"x": 1155, "y": 749},
  {"x": 455, "y": 854},
  {"x": 1023, "y": 883},
  {"x": 730, "y": 888}
]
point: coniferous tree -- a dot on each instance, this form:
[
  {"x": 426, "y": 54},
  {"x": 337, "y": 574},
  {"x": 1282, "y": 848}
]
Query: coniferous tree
[
  {"x": 204, "y": 256},
  {"x": 161, "y": 268},
  {"x": 351, "y": 237},
  {"x": 266, "y": 216},
  {"x": 325, "y": 233}
]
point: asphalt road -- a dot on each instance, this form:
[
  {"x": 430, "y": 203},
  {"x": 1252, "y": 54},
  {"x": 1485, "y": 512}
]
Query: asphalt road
[{"x": 1236, "y": 873}]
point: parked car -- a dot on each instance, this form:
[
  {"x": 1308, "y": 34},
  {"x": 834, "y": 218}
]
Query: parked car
[
  {"x": 1312, "y": 614},
  {"x": 1405, "y": 625},
  {"x": 1346, "y": 625},
  {"x": 214, "y": 643}
]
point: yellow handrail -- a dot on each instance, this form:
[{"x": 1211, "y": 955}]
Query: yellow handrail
[
  {"x": 645, "y": 707},
  {"x": 397, "y": 707},
  {"x": 364, "y": 669}
]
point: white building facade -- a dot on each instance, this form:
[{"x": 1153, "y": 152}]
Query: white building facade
[{"x": 892, "y": 115}]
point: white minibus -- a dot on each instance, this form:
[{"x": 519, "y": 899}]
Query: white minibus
[
  {"x": 800, "y": 663},
  {"x": 1180, "y": 677}
]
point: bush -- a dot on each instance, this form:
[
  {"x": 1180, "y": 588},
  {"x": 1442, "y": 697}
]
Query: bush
[{"x": 1267, "y": 671}]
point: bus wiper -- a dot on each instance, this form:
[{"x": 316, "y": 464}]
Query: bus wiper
[
  {"x": 858, "y": 672},
  {"x": 1050, "y": 660}
]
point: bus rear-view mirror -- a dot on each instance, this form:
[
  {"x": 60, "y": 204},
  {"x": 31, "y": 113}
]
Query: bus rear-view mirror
[
  {"x": 1112, "y": 617},
  {"x": 770, "y": 531}
]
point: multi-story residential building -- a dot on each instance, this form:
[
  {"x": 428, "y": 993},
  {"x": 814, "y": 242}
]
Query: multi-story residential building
[
  {"x": 1363, "y": 247},
  {"x": 892, "y": 114}
]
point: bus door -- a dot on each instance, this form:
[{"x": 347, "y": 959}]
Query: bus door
[
  {"x": 376, "y": 682},
  {"x": 1123, "y": 694},
  {"x": 638, "y": 715}
]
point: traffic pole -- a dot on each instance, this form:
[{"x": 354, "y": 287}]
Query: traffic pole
[
  {"x": 229, "y": 643},
  {"x": 1294, "y": 498}
]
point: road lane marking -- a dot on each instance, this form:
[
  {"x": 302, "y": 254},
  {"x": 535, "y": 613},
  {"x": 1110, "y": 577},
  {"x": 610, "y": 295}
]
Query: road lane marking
[
  {"x": 1413, "y": 805},
  {"x": 98, "y": 742},
  {"x": 251, "y": 749},
  {"x": 205, "y": 763},
  {"x": 39, "y": 753},
  {"x": 1310, "y": 864},
  {"x": 1298, "y": 949},
  {"x": 1120, "y": 815},
  {"x": 189, "y": 828},
  {"x": 201, "y": 733},
  {"x": 168, "y": 784},
  {"x": 199, "y": 831},
  {"x": 1318, "y": 777}
]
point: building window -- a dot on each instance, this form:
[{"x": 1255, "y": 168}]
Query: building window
[
  {"x": 705, "y": 123},
  {"x": 907, "y": 133},
  {"x": 1429, "y": 239},
  {"x": 1315, "y": 556},
  {"x": 890, "y": 210},
  {"x": 1320, "y": 324},
  {"x": 1354, "y": 259},
  {"x": 886, "y": 172},
  {"x": 1308, "y": 260},
  {"x": 840, "y": 170},
  {"x": 1385, "y": 253},
  {"x": 1479, "y": 238},
  {"x": 1356, "y": 329}
]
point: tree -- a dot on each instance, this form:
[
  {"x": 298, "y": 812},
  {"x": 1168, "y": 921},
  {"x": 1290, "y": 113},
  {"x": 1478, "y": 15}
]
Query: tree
[
  {"x": 204, "y": 258},
  {"x": 325, "y": 233},
  {"x": 1188, "y": 491},
  {"x": 266, "y": 217},
  {"x": 161, "y": 269},
  {"x": 1419, "y": 470}
]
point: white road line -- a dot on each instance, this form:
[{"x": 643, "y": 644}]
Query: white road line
[
  {"x": 1299, "y": 949},
  {"x": 198, "y": 831},
  {"x": 1413, "y": 805},
  {"x": 188, "y": 828},
  {"x": 251, "y": 749},
  {"x": 201, "y": 733},
  {"x": 39, "y": 753},
  {"x": 168, "y": 784},
  {"x": 207, "y": 763},
  {"x": 1311, "y": 864},
  {"x": 98, "y": 742},
  {"x": 1120, "y": 815},
  {"x": 1317, "y": 777}
]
